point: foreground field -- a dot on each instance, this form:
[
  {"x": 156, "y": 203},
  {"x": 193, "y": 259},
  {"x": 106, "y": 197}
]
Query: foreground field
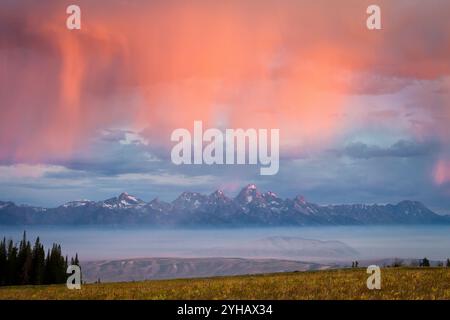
[{"x": 397, "y": 283}]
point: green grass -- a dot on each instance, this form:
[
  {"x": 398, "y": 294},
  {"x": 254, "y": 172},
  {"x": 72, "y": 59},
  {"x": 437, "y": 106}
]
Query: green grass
[{"x": 397, "y": 283}]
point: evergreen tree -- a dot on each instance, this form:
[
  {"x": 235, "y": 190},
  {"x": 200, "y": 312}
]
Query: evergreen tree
[
  {"x": 27, "y": 265},
  {"x": 12, "y": 276},
  {"x": 61, "y": 267},
  {"x": 55, "y": 266},
  {"x": 3, "y": 261},
  {"x": 24, "y": 259},
  {"x": 448, "y": 263},
  {"x": 38, "y": 263},
  {"x": 425, "y": 262},
  {"x": 47, "y": 272},
  {"x": 77, "y": 262}
]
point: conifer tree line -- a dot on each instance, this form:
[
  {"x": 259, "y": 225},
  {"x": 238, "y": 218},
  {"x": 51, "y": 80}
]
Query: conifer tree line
[{"x": 27, "y": 264}]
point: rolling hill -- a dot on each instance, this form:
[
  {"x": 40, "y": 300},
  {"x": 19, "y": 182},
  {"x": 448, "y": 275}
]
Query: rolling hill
[
  {"x": 249, "y": 208},
  {"x": 397, "y": 283}
]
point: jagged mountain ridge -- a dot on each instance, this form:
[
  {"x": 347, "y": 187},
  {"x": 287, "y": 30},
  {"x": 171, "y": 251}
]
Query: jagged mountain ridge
[{"x": 249, "y": 207}]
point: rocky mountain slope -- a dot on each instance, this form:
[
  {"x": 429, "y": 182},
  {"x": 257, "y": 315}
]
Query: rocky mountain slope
[{"x": 249, "y": 207}]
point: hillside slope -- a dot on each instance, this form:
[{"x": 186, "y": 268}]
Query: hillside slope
[{"x": 397, "y": 283}]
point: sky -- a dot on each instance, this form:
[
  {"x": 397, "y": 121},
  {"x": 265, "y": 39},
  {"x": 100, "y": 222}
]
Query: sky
[{"x": 363, "y": 114}]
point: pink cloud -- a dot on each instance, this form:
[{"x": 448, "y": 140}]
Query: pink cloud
[
  {"x": 158, "y": 66},
  {"x": 442, "y": 172}
]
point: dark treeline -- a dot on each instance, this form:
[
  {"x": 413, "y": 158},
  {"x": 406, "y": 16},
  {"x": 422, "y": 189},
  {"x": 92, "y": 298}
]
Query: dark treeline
[{"x": 27, "y": 264}]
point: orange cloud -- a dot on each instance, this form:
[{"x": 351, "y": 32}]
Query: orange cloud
[
  {"x": 161, "y": 65},
  {"x": 442, "y": 172}
]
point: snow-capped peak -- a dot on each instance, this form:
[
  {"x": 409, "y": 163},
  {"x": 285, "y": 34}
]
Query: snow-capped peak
[
  {"x": 271, "y": 194},
  {"x": 77, "y": 203},
  {"x": 300, "y": 199},
  {"x": 128, "y": 198},
  {"x": 124, "y": 200},
  {"x": 248, "y": 194},
  {"x": 218, "y": 194},
  {"x": 5, "y": 204}
]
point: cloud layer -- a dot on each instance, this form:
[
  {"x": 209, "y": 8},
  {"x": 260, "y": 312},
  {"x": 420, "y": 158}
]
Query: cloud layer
[{"x": 103, "y": 101}]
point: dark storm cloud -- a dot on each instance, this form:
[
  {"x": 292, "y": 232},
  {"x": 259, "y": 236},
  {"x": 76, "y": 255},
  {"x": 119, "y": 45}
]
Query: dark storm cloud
[{"x": 400, "y": 149}]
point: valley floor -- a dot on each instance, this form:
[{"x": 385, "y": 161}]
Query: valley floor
[{"x": 397, "y": 283}]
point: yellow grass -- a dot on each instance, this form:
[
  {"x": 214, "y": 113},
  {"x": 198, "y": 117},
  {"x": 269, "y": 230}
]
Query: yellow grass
[{"x": 397, "y": 283}]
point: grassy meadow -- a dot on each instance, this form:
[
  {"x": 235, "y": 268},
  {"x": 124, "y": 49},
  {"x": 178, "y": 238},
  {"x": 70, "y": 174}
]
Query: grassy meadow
[{"x": 397, "y": 283}]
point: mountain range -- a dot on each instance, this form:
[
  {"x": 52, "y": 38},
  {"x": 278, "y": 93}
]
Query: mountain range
[{"x": 249, "y": 208}]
